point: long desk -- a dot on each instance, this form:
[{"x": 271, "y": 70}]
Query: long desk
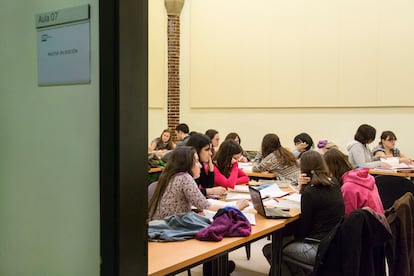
[
  {"x": 408, "y": 173},
  {"x": 173, "y": 257},
  {"x": 266, "y": 175}
]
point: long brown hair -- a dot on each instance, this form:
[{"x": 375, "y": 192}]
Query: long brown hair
[
  {"x": 181, "y": 160},
  {"x": 271, "y": 143},
  {"x": 224, "y": 155},
  {"x": 160, "y": 143},
  {"x": 314, "y": 166},
  {"x": 337, "y": 163}
]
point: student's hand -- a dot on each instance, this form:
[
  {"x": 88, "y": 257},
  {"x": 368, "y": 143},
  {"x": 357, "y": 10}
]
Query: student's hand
[
  {"x": 301, "y": 146},
  {"x": 210, "y": 164},
  {"x": 385, "y": 165},
  {"x": 234, "y": 160},
  {"x": 216, "y": 190},
  {"x": 242, "y": 203},
  {"x": 406, "y": 160},
  {"x": 303, "y": 180},
  {"x": 243, "y": 159}
]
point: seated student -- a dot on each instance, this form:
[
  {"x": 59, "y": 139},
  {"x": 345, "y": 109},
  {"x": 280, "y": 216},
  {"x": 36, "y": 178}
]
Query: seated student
[
  {"x": 182, "y": 132},
  {"x": 215, "y": 139},
  {"x": 386, "y": 148},
  {"x": 163, "y": 144},
  {"x": 322, "y": 207},
  {"x": 358, "y": 186},
  {"x": 303, "y": 142},
  {"x": 177, "y": 191},
  {"x": 234, "y": 136},
  {"x": 277, "y": 159},
  {"x": 359, "y": 154},
  {"x": 202, "y": 145},
  {"x": 325, "y": 145},
  {"x": 226, "y": 168}
]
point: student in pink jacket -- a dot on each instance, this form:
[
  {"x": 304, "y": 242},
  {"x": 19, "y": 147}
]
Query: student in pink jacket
[
  {"x": 226, "y": 169},
  {"x": 358, "y": 186}
]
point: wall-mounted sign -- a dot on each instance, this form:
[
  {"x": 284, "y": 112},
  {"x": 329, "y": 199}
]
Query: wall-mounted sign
[{"x": 63, "y": 46}]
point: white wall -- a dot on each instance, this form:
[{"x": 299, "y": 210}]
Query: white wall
[
  {"x": 49, "y": 162},
  {"x": 336, "y": 124}
]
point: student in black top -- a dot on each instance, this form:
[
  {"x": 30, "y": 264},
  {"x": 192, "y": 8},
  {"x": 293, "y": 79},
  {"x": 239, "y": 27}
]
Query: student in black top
[
  {"x": 202, "y": 145},
  {"x": 322, "y": 207}
]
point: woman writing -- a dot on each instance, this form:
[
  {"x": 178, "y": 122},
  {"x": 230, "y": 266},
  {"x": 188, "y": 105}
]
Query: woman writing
[
  {"x": 359, "y": 154},
  {"x": 277, "y": 159},
  {"x": 163, "y": 144},
  {"x": 226, "y": 170},
  {"x": 386, "y": 148}
]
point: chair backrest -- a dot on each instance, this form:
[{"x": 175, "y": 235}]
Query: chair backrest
[
  {"x": 391, "y": 188},
  {"x": 400, "y": 251},
  {"x": 356, "y": 247},
  {"x": 151, "y": 189}
]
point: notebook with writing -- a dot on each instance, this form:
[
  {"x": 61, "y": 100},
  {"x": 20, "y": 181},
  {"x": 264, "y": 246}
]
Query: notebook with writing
[{"x": 270, "y": 213}]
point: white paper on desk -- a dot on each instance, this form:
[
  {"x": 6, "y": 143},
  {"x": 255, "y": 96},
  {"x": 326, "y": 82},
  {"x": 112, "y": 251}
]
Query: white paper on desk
[
  {"x": 240, "y": 189},
  {"x": 271, "y": 191},
  {"x": 221, "y": 203},
  {"x": 236, "y": 196},
  {"x": 294, "y": 197},
  {"x": 245, "y": 166},
  {"x": 395, "y": 163},
  {"x": 250, "y": 217}
]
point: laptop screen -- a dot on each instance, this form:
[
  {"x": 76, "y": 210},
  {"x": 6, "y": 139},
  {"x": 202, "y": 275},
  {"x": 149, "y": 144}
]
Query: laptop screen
[{"x": 257, "y": 201}]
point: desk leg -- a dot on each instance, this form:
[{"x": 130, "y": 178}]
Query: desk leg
[
  {"x": 219, "y": 265},
  {"x": 276, "y": 267}
]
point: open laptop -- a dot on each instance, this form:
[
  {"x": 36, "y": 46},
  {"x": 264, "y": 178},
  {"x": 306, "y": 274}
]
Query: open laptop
[{"x": 270, "y": 213}]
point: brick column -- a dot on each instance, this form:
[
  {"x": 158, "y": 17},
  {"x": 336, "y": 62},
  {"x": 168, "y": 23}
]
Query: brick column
[{"x": 173, "y": 8}]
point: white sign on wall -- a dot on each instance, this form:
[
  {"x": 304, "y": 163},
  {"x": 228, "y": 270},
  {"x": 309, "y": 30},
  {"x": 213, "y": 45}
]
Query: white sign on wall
[{"x": 63, "y": 46}]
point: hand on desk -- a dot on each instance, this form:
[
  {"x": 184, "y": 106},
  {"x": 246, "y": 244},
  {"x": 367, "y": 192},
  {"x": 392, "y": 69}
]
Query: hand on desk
[
  {"x": 219, "y": 190},
  {"x": 406, "y": 160},
  {"x": 242, "y": 203}
]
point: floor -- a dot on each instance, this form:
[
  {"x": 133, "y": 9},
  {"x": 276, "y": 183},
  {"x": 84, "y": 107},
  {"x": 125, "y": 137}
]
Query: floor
[{"x": 256, "y": 266}]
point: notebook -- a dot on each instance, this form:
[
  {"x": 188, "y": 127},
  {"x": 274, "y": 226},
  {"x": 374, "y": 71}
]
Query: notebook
[{"x": 270, "y": 213}]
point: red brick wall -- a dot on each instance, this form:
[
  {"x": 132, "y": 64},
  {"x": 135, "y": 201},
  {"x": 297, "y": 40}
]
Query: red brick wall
[{"x": 173, "y": 111}]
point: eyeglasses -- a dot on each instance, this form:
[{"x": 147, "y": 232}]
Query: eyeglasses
[{"x": 391, "y": 139}]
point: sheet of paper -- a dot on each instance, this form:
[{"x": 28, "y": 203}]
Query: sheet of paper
[
  {"x": 236, "y": 196},
  {"x": 222, "y": 203},
  {"x": 271, "y": 190},
  {"x": 240, "y": 189},
  {"x": 294, "y": 197},
  {"x": 245, "y": 166}
]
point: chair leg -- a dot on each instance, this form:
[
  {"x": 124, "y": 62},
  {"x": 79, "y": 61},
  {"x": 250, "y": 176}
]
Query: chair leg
[
  {"x": 248, "y": 250},
  {"x": 189, "y": 272}
]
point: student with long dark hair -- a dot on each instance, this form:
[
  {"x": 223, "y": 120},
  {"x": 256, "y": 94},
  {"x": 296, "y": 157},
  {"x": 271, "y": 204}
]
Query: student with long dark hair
[
  {"x": 202, "y": 145},
  {"x": 177, "y": 191},
  {"x": 357, "y": 185},
  {"x": 277, "y": 159},
  {"x": 322, "y": 207},
  {"x": 226, "y": 170}
]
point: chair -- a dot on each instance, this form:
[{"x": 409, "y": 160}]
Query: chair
[
  {"x": 392, "y": 187},
  {"x": 400, "y": 250},
  {"x": 356, "y": 247}
]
